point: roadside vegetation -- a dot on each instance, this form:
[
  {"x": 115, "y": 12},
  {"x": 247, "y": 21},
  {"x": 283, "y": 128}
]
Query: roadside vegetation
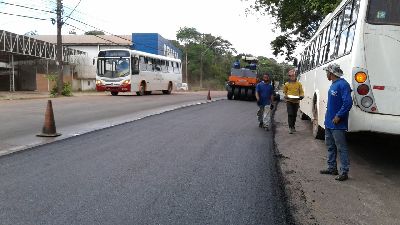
[
  {"x": 297, "y": 20},
  {"x": 210, "y": 58},
  {"x": 66, "y": 90}
]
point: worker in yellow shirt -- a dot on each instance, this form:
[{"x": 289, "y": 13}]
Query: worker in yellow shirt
[{"x": 294, "y": 92}]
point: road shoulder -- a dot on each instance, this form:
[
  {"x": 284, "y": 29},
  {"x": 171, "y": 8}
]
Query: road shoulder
[{"x": 320, "y": 199}]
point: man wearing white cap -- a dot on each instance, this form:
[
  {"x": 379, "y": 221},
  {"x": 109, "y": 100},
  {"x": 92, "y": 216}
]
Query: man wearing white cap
[{"x": 336, "y": 122}]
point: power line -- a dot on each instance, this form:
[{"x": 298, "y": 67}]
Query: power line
[
  {"x": 113, "y": 34},
  {"x": 94, "y": 35},
  {"x": 110, "y": 34},
  {"x": 99, "y": 29},
  {"x": 82, "y": 14},
  {"x": 26, "y": 7},
  {"x": 72, "y": 11},
  {"x": 69, "y": 17},
  {"x": 31, "y": 17}
]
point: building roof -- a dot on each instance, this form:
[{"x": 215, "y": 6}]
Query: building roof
[{"x": 88, "y": 39}]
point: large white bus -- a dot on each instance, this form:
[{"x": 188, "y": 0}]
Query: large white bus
[
  {"x": 363, "y": 37},
  {"x": 120, "y": 70}
]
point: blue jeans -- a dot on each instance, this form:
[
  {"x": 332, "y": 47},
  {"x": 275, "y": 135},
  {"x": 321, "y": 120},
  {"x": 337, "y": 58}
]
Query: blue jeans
[{"x": 336, "y": 142}]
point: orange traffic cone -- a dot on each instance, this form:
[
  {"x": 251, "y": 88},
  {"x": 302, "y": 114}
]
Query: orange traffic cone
[
  {"x": 49, "y": 127},
  {"x": 208, "y": 96}
]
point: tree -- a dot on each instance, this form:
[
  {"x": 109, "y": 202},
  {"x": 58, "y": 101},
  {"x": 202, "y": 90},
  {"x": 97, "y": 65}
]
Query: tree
[
  {"x": 31, "y": 33},
  {"x": 188, "y": 35},
  {"x": 73, "y": 31},
  {"x": 297, "y": 19},
  {"x": 276, "y": 71},
  {"x": 208, "y": 57},
  {"x": 94, "y": 32}
]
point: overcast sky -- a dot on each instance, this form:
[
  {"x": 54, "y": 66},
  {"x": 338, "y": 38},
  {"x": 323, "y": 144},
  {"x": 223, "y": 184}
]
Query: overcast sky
[{"x": 250, "y": 34}]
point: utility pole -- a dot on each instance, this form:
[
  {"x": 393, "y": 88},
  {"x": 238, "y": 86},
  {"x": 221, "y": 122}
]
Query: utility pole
[
  {"x": 60, "y": 81},
  {"x": 186, "y": 69},
  {"x": 201, "y": 71}
]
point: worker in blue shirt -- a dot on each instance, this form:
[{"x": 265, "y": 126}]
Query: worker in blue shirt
[
  {"x": 264, "y": 96},
  {"x": 236, "y": 64},
  {"x": 336, "y": 122}
]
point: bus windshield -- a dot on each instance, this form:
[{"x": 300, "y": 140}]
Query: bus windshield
[
  {"x": 386, "y": 12},
  {"x": 112, "y": 68}
]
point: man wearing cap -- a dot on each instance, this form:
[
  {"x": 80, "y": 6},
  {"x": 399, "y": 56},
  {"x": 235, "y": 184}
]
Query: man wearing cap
[{"x": 336, "y": 122}]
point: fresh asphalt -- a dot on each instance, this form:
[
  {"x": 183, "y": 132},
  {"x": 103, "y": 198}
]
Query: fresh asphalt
[
  {"x": 204, "y": 164},
  {"x": 21, "y": 120}
]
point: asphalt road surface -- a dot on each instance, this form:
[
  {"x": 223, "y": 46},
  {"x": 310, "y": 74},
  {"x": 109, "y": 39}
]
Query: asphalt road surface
[
  {"x": 21, "y": 120},
  {"x": 205, "y": 164}
]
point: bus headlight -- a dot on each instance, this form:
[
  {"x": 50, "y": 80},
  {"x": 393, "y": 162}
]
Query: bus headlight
[
  {"x": 99, "y": 82},
  {"x": 126, "y": 82},
  {"x": 367, "y": 101}
]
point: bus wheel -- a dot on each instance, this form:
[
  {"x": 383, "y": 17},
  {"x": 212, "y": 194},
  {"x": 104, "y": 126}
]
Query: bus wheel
[
  {"x": 167, "y": 92},
  {"x": 303, "y": 116},
  {"x": 114, "y": 93},
  {"x": 230, "y": 95},
  {"x": 142, "y": 90},
  {"x": 318, "y": 132}
]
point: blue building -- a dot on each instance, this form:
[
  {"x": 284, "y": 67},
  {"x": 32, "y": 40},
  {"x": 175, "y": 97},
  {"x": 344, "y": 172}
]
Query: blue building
[{"x": 154, "y": 43}]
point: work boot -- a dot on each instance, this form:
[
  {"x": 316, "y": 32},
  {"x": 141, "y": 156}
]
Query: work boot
[
  {"x": 290, "y": 130},
  {"x": 260, "y": 125},
  {"x": 329, "y": 171},
  {"x": 342, "y": 177}
]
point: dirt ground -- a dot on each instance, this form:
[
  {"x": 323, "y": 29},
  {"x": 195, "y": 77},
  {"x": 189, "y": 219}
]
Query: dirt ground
[{"x": 370, "y": 196}]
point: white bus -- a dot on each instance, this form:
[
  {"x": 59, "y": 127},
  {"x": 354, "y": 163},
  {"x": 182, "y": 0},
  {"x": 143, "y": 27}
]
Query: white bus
[
  {"x": 135, "y": 71},
  {"x": 363, "y": 37}
]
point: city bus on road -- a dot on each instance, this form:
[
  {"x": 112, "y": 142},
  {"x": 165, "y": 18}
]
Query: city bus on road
[
  {"x": 124, "y": 70},
  {"x": 363, "y": 37}
]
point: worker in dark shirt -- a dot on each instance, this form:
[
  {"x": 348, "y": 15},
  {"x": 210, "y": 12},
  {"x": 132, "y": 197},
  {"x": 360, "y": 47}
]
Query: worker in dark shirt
[{"x": 264, "y": 96}]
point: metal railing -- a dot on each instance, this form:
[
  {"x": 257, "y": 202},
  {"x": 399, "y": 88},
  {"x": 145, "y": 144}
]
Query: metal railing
[{"x": 27, "y": 46}]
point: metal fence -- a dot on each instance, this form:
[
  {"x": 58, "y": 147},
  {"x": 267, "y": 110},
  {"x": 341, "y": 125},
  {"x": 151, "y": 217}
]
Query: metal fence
[{"x": 26, "y": 46}]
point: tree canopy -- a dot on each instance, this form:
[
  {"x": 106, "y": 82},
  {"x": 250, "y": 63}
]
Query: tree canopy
[
  {"x": 207, "y": 54},
  {"x": 94, "y": 32},
  {"x": 214, "y": 56},
  {"x": 297, "y": 19}
]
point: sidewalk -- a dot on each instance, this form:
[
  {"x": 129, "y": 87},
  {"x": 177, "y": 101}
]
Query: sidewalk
[
  {"x": 367, "y": 197},
  {"x": 20, "y": 95}
]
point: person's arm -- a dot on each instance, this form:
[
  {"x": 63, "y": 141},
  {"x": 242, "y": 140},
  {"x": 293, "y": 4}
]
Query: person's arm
[
  {"x": 272, "y": 94},
  {"x": 257, "y": 95},
  {"x": 347, "y": 103}
]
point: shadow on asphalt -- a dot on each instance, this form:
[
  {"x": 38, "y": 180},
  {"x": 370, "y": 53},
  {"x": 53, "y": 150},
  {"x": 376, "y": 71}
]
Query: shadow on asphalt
[{"x": 380, "y": 150}]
